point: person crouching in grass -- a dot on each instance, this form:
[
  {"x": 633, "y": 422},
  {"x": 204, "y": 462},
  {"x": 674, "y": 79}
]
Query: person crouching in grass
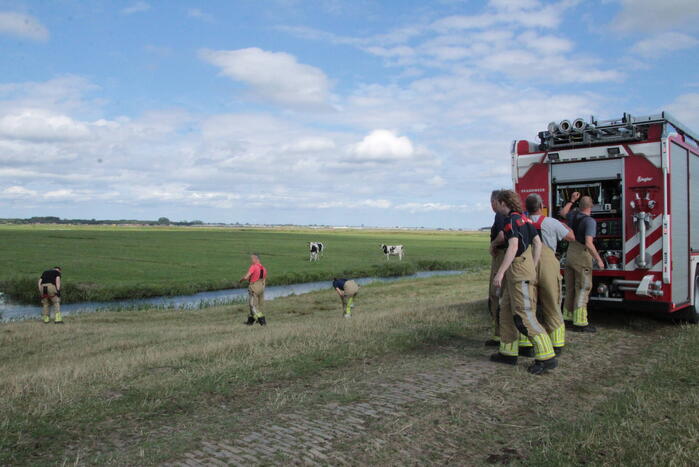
[{"x": 346, "y": 289}]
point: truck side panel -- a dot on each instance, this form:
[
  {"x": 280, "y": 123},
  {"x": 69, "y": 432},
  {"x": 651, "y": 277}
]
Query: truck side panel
[
  {"x": 694, "y": 202},
  {"x": 679, "y": 242}
]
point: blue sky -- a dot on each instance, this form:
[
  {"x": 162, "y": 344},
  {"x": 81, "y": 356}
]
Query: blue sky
[{"x": 394, "y": 113}]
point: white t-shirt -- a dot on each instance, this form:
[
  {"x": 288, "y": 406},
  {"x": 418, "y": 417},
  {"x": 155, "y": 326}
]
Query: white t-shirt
[{"x": 552, "y": 231}]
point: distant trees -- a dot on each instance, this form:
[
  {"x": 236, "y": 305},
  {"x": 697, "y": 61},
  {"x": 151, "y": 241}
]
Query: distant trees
[{"x": 58, "y": 220}]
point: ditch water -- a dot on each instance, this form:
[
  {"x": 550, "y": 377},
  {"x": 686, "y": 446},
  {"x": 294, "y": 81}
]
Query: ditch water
[{"x": 13, "y": 312}]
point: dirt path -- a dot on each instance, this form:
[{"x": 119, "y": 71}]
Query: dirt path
[{"x": 439, "y": 405}]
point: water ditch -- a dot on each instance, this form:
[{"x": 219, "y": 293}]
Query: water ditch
[{"x": 13, "y": 312}]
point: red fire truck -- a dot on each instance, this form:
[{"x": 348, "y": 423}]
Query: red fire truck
[{"x": 643, "y": 176}]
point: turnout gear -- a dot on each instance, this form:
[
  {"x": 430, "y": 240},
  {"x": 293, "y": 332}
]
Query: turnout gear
[
  {"x": 526, "y": 348},
  {"x": 578, "y": 277},
  {"x": 50, "y": 297},
  {"x": 518, "y": 302},
  {"x": 256, "y": 298},
  {"x": 578, "y": 272},
  {"x": 549, "y": 290},
  {"x": 500, "y": 358},
  {"x": 588, "y": 328},
  {"x": 493, "y": 292},
  {"x": 350, "y": 289},
  {"x": 250, "y": 321},
  {"x": 539, "y": 367},
  {"x": 494, "y": 297}
]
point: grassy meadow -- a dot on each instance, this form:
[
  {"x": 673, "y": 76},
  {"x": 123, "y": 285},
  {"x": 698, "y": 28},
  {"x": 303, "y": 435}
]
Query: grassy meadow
[
  {"x": 104, "y": 376},
  {"x": 108, "y": 263},
  {"x": 141, "y": 388}
]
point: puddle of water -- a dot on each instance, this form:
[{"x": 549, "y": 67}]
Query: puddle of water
[{"x": 13, "y": 312}]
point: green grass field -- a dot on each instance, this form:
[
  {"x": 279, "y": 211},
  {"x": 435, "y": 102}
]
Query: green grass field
[{"x": 101, "y": 263}]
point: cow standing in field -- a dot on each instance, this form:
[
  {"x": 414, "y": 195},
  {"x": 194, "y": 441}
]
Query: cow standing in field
[
  {"x": 393, "y": 250},
  {"x": 315, "y": 249}
]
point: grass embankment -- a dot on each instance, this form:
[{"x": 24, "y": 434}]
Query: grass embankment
[
  {"x": 653, "y": 420},
  {"x": 102, "y": 264},
  {"x": 142, "y": 387},
  {"x": 88, "y": 388}
]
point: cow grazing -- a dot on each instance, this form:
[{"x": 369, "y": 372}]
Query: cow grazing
[
  {"x": 315, "y": 249},
  {"x": 393, "y": 250}
]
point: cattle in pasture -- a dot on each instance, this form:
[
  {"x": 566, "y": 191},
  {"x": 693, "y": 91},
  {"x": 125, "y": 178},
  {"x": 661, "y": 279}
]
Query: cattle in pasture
[
  {"x": 315, "y": 249},
  {"x": 393, "y": 250}
]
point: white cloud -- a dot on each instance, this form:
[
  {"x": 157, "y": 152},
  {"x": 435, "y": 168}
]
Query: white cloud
[
  {"x": 436, "y": 181},
  {"x": 17, "y": 192},
  {"x": 505, "y": 39},
  {"x": 525, "y": 13},
  {"x": 310, "y": 144},
  {"x": 365, "y": 203},
  {"x": 383, "y": 145},
  {"x": 686, "y": 109},
  {"x": 642, "y": 16},
  {"x": 199, "y": 14},
  {"x": 138, "y": 7},
  {"x": 660, "y": 44},
  {"x": 22, "y": 26},
  {"x": 274, "y": 76},
  {"x": 427, "y": 207},
  {"x": 64, "y": 94},
  {"x": 41, "y": 125},
  {"x": 546, "y": 44}
]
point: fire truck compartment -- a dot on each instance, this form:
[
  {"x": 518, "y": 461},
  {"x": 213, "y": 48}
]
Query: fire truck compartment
[{"x": 603, "y": 169}]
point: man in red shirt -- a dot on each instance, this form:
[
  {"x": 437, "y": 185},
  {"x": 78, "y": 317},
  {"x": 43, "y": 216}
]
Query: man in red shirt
[{"x": 256, "y": 290}]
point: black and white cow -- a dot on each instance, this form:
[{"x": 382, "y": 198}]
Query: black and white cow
[
  {"x": 315, "y": 249},
  {"x": 393, "y": 250}
]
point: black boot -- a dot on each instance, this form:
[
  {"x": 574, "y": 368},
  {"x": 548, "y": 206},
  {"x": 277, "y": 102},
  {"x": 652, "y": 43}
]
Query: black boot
[
  {"x": 526, "y": 351},
  {"x": 262, "y": 321},
  {"x": 568, "y": 323},
  {"x": 250, "y": 321},
  {"x": 558, "y": 350},
  {"x": 586, "y": 328},
  {"x": 492, "y": 343},
  {"x": 539, "y": 367},
  {"x": 500, "y": 358}
]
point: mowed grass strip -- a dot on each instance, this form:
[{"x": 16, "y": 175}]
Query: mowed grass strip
[
  {"x": 654, "y": 420},
  {"x": 89, "y": 385},
  {"x": 103, "y": 264}
]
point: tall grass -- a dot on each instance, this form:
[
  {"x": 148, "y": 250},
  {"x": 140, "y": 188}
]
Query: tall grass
[
  {"x": 654, "y": 421},
  {"x": 108, "y": 370}
]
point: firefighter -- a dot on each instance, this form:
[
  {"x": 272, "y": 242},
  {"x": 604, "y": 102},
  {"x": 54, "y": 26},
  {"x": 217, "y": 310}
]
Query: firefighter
[
  {"x": 256, "y": 276},
  {"x": 347, "y": 290},
  {"x": 517, "y": 277},
  {"x": 50, "y": 291},
  {"x": 579, "y": 258},
  {"x": 548, "y": 270},
  {"x": 497, "y": 252}
]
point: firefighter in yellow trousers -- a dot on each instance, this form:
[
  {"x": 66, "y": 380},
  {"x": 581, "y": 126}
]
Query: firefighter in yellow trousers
[
  {"x": 50, "y": 291},
  {"x": 346, "y": 290},
  {"x": 256, "y": 277},
  {"x": 497, "y": 253},
  {"x": 579, "y": 259},
  {"x": 549, "y": 281},
  {"x": 517, "y": 277}
]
